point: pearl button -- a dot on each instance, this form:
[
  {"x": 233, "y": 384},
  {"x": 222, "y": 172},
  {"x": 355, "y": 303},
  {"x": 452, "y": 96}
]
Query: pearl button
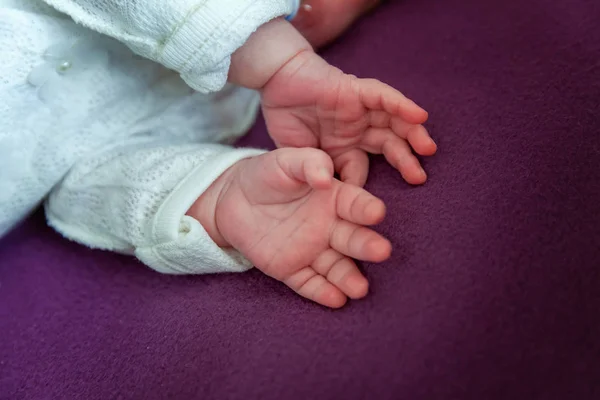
[{"x": 63, "y": 67}]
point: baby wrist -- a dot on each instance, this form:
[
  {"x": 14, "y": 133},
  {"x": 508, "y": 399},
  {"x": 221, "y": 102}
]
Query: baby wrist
[{"x": 267, "y": 51}]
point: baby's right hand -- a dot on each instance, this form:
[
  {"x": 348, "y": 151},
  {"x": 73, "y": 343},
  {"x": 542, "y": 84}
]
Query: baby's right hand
[{"x": 286, "y": 213}]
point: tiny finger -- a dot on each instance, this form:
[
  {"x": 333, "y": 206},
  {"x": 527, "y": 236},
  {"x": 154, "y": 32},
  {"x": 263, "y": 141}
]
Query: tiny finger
[
  {"x": 420, "y": 141},
  {"x": 313, "y": 286},
  {"x": 343, "y": 273},
  {"x": 359, "y": 242},
  {"x": 353, "y": 167},
  {"x": 307, "y": 165},
  {"x": 398, "y": 153},
  {"x": 358, "y": 206},
  {"x": 377, "y": 95}
]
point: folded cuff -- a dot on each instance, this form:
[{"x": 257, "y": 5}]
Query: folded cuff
[
  {"x": 181, "y": 244},
  {"x": 201, "y": 48}
]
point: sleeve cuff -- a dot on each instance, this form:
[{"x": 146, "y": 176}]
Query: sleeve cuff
[
  {"x": 200, "y": 49},
  {"x": 182, "y": 246}
]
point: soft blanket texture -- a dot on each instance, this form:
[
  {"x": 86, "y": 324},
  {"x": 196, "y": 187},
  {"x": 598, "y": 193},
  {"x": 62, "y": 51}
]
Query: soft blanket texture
[{"x": 493, "y": 290}]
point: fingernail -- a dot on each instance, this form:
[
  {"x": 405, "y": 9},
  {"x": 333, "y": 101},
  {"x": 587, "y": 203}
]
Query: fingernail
[{"x": 324, "y": 173}]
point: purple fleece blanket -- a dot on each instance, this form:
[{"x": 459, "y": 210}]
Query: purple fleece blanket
[{"x": 493, "y": 290}]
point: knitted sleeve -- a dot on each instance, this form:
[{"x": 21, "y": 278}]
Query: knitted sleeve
[
  {"x": 132, "y": 198},
  {"x": 193, "y": 37}
]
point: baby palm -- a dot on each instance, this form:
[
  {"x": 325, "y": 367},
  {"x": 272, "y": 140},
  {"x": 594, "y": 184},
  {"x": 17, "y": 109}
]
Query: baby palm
[
  {"x": 287, "y": 215},
  {"x": 310, "y": 103}
]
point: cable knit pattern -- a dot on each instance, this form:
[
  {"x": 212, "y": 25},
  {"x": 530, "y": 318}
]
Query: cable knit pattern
[
  {"x": 120, "y": 140},
  {"x": 193, "y": 37}
]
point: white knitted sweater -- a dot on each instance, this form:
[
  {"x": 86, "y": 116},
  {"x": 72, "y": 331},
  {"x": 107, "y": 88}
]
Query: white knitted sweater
[{"x": 119, "y": 145}]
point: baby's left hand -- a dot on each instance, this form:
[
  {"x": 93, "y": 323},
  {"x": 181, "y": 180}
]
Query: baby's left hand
[{"x": 310, "y": 103}]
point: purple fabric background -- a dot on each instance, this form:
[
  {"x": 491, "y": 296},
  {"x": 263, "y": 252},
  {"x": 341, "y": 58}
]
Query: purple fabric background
[{"x": 493, "y": 290}]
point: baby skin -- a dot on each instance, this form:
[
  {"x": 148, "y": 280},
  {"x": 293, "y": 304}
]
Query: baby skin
[
  {"x": 284, "y": 210},
  {"x": 321, "y": 21}
]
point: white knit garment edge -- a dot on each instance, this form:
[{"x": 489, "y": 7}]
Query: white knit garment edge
[
  {"x": 118, "y": 141},
  {"x": 193, "y": 37},
  {"x": 118, "y": 212}
]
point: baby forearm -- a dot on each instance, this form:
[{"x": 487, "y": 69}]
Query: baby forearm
[{"x": 270, "y": 48}]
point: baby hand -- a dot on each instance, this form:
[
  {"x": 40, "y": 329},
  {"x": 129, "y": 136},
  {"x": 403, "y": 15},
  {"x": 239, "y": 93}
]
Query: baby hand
[
  {"x": 285, "y": 212},
  {"x": 309, "y": 103}
]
